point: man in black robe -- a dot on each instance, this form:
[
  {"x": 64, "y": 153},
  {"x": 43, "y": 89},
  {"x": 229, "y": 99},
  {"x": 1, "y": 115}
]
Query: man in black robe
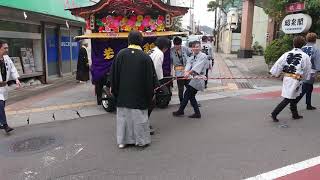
[
  {"x": 83, "y": 64},
  {"x": 132, "y": 84}
]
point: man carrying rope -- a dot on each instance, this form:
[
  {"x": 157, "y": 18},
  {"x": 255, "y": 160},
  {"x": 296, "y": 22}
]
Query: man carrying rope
[
  {"x": 314, "y": 53},
  {"x": 196, "y": 66},
  {"x": 296, "y": 66}
]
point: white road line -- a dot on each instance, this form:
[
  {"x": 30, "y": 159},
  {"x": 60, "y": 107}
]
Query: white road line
[{"x": 287, "y": 170}]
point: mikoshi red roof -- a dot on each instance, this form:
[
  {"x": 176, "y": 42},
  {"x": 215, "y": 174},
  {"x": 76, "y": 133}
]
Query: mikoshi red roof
[{"x": 122, "y": 7}]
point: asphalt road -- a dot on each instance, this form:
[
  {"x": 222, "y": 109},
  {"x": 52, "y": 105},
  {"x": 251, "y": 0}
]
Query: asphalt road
[{"x": 235, "y": 139}]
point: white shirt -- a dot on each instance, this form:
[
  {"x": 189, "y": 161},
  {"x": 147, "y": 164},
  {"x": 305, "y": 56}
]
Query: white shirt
[
  {"x": 292, "y": 62},
  {"x": 157, "y": 57},
  {"x": 207, "y": 49},
  {"x": 12, "y": 74}
]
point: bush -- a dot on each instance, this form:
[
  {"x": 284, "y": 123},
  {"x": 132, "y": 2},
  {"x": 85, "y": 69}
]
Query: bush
[{"x": 277, "y": 48}]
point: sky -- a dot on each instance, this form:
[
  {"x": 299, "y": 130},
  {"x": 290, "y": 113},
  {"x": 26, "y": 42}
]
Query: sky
[{"x": 200, "y": 13}]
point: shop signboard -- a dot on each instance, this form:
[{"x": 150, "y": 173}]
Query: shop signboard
[
  {"x": 66, "y": 44},
  {"x": 65, "y": 48},
  {"x": 295, "y": 7},
  {"x": 296, "y": 23}
]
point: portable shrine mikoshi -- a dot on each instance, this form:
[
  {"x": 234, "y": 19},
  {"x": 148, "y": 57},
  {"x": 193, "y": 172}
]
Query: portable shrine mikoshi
[{"x": 110, "y": 22}]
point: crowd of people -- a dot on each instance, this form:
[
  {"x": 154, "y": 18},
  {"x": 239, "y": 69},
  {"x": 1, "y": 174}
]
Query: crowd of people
[
  {"x": 299, "y": 67},
  {"x": 135, "y": 75}
]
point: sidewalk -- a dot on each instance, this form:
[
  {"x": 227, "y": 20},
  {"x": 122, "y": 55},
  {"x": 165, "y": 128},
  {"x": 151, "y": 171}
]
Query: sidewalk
[{"x": 26, "y": 92}]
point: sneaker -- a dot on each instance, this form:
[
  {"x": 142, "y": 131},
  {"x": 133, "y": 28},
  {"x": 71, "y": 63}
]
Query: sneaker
[
  {"x": 121, "y": 146},
  {"x": 142, "y": 146},
  {"x": 195, "y": 116},
  {"x": 8, "y": 129},
  {"x": 151, "y": 130},
  {"x": 178, "y": 113},
  {"x": 297, "y": 117},
  {"x": 311, "y": 108},
  {"x": 274, "y": 118}
]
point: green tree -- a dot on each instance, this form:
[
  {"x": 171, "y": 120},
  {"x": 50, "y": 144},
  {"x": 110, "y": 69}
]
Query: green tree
[
  {"x": 276, "y": 10},
  {"x": 177, "y": 24},
  {"x": 278, "y": 47},
  {"x": 223, "y": 5}
]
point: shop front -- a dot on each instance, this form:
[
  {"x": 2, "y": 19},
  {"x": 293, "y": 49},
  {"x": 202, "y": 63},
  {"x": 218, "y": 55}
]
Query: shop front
[
  {"x": 69, "y": 50},
  {"x": 24, "y": 47},
  {"x": 42, "y": 46}
]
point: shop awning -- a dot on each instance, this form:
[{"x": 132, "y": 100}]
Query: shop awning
[{"x": 125, "y": 35}]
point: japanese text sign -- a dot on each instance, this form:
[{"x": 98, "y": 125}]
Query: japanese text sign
[{"x": 296, "y": 23}]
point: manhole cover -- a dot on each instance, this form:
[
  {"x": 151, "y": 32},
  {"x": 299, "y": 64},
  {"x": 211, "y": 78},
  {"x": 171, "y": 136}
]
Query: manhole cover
[
  {"x": 244, "y": 85},
  {"x": 32, "y": 144}
]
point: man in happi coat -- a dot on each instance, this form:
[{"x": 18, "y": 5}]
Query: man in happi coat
[
  {"x": 179, "y": 55},
  {"x": 157, "y": 56},
  {"x": 132, "y": 83},
  {"x": 195, "y": 69},
  {"x": 8, "y": 72},
  {"x": 296, "y": 66},
  {"x": 314, "y": 52},
  {"x": 206, "y": 48},
  {"x": 83, "y": 63}
]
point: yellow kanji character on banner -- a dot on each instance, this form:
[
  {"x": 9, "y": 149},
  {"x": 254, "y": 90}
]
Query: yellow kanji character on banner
[
  {"x": 108, "y": 53},
  {"x": 147, "y": 47}
]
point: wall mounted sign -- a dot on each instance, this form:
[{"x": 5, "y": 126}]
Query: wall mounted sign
[
  {"x": 92, "y": 22},
  {"x": 168, "y": 20},
  {"x": 296, "y": 23},
  {"x": 295, "y": 7}
]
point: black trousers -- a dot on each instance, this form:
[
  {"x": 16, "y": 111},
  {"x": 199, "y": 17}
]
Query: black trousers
[
  {"x": 98, "y": 89},
  {"x": 3, "y": 117},
  {"x": 306, "y": 90},
  {"x": 190, "y": 94},
  {"x": 181, "y": 84},
  {"x": 284, "y": 103}
]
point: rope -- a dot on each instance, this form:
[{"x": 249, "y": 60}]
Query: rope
[{"x": 173, "y": 78}]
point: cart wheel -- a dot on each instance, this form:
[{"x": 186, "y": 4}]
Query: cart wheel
[
  {"x": 107, "y": 103},
  {"x": 163, "y": 104},
  {"x": 163, "y": 97},
  {"x": 163, "y": 101}
]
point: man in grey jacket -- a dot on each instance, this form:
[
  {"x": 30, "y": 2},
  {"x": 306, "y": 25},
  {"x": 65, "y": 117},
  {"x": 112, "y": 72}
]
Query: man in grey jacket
[
  {"x": 314, "y": 52},
  {"x": 196, "y": 70},
  {"x": 179, "y": 55},
  {"x": 207, "y": 49}
]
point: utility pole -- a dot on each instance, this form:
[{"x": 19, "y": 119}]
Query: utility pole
[
  {"x": 215, "y": 26},
  {"x": 192, "y": 16},
  {"x": 218, "y": 35}
]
